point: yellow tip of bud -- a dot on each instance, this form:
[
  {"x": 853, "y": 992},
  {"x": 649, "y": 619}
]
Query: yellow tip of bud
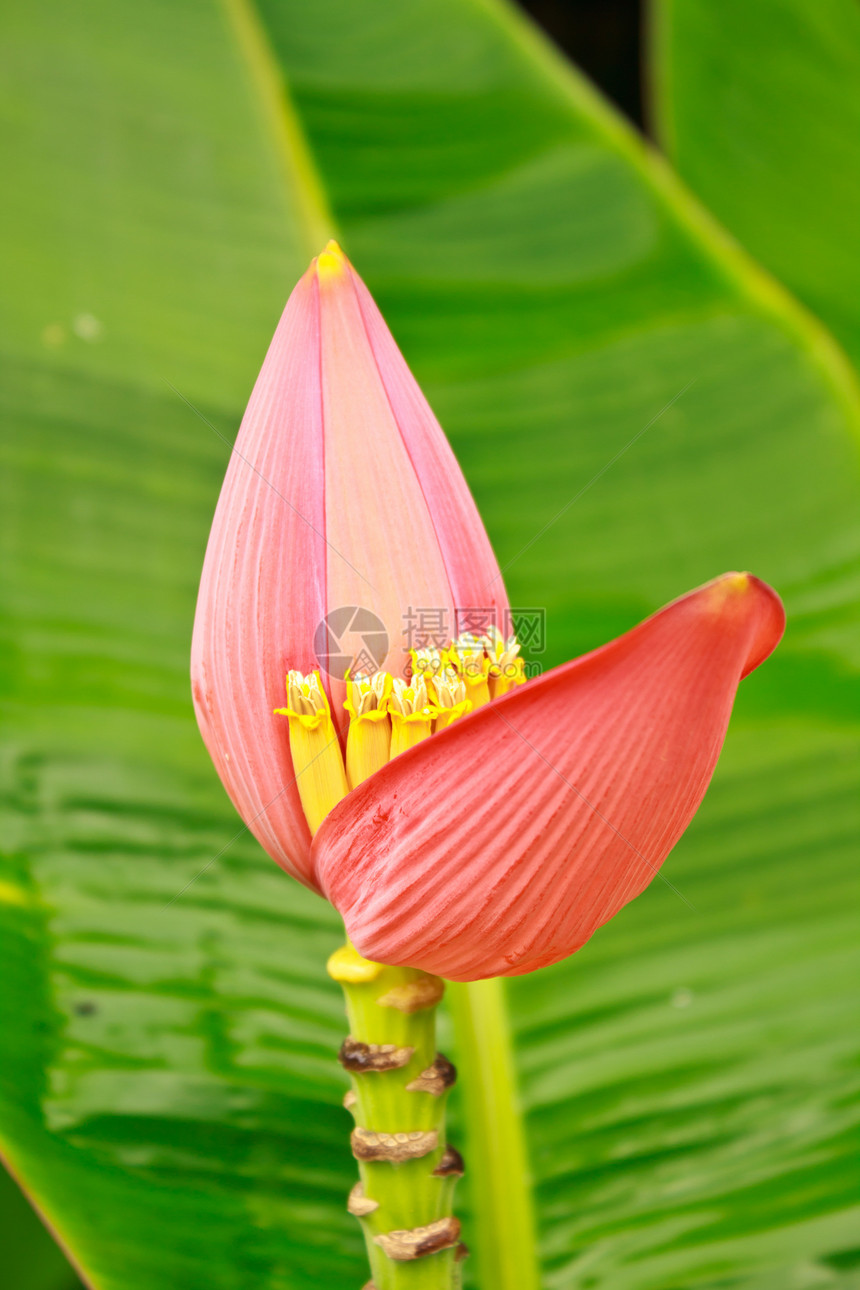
[{"x": 331, "y": 262}]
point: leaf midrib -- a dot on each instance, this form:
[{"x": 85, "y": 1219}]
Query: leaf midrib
[{"x": 299, "y": 171}]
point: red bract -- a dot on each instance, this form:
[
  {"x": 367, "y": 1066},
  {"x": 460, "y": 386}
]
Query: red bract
[
  {"x": 500, "y": 843},
  {"x": 341, "y": 491}
]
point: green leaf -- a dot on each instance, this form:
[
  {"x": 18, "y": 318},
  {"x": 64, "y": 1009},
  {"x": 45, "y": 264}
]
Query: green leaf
[
  {"x": 758, "y": 104},
  {"x": 31, "y": 1260},
  {"x": 637, "y": 408}
]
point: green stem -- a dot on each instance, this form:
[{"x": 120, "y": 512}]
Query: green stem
[
  {"x": 407, "y": 1172},
  {"x": 504, "y": 1226}
]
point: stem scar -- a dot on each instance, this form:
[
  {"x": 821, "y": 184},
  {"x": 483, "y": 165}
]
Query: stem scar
[
  {"x": 363, "y": 1058},
  {"x": 417, "y": 1242},
  {"x": 436, "y": 1078},
  {"x": 393, "y": 1147},
  {"x": 450, "y": 1164}
]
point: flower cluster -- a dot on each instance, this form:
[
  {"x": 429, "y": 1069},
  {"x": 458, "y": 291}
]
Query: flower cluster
[
  {"x": 535, "y": 812},
  {"x": 388, "y": 715}
]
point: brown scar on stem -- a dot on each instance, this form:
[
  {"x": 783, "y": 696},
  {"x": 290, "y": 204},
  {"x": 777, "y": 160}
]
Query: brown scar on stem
[
  {"x": 349, "y": 1100},
  {"x": 358, "y": 1057},
  {"x": 358, "y": 1204},
  {"x": 450, "y": 1164},
  {"x": 394, "y": 1147},
  {"x": 461, "y": 1253},
  {"x": 417, "y": 1242},
  {"x": 415, "y": 996},
  {"x": 436, "y": 1079}
]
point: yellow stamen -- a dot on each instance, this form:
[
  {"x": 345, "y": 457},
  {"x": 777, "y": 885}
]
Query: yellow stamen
[
  {"x": 449, "y": 692},
  {"x": 468, "y": 657},
  {"x": 407, "y": 731},
  {"x": 314, "y": 747},
  {"x": 506, "y": 669},
  {"x": 508, "y": 677},
  {"x": 368, "y": 743},
  {"x": 450, "y": 715},
  {"x": 412, "y": 714},
  {"x": 388, "y": 715},
  {"x": 428, "y": 662}
]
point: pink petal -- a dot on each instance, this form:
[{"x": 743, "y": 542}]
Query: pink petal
[
  {"x": 501, "y": 844},
  {"x": 465, "y": 549},
  {"x": 341, "y": 491},
  {"x": 397, "y": 505},
  {"x": 263, "y": 586}
]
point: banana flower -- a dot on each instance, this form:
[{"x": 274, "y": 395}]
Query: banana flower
[{"x": 463, "y": 820}]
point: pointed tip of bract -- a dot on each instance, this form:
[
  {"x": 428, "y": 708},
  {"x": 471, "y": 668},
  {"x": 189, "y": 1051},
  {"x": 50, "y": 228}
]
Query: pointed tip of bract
[
  {"x": 331, "y": 263},
  {"x": 747, "y": 594},
  {"x": 734, "y": 584}
]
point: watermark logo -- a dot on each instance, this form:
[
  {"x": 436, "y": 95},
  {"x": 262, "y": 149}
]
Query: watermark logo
[
  {"x": 529, "y": 627},
  {"x": 352, "y": 639},
  {"x": 474, "y": 620},
  {"x": 427, "y": 627}
]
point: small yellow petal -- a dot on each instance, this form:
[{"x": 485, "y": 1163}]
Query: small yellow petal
[
  {"x": 508, "y": 678},
  {"x": 320, "y": 775},
  {"x": 368, "y": 746},
  {"x": 407, "y": 731},
  {"x": 318, "y": 764},
  {"x": 478, "y": 689},
  {"x": 447, "y": 715}
]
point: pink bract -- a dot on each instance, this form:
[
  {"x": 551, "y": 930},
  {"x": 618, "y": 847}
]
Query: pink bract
[{"x": 342, "y": 490}]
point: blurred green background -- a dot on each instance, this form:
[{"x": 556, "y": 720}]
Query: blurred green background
[{"x": 644, "y": 353}]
